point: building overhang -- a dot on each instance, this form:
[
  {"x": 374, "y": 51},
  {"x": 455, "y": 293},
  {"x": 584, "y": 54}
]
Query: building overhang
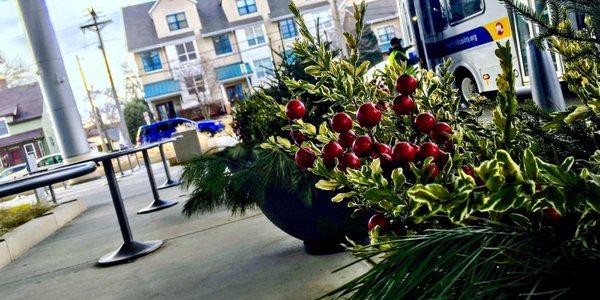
[{"x": 161, "y": 90}]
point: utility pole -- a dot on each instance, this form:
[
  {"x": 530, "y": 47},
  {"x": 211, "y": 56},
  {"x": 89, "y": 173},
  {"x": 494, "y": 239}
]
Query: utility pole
[
  {"x": 106, "y": 144},
  {"x": 96, "y": 26},
  {"x": 337, "y": 25}
]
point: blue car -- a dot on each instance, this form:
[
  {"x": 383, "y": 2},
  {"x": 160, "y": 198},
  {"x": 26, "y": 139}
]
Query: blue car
[
  {"x": 163, "y": 129},
  {"x": 211, "y": 126}
]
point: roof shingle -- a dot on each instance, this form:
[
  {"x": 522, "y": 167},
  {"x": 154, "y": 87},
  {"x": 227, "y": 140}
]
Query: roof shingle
[{"x": 23, "y": 102}]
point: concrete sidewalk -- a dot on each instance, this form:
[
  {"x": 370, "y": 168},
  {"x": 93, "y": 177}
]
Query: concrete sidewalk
[{"x": 213, "y": 256}]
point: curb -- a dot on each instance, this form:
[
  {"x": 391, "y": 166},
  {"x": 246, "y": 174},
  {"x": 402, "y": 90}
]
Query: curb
[{"x": 16, "y": 242}]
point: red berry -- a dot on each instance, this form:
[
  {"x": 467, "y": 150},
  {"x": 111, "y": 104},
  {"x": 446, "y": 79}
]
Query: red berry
[
  {"x": 383, "y": 148},
  {"x": 368, "y": 115},
  {"x": 406, "y": 84},
  {"x": 442, "y": 158},
  {"x": 468, "y": 170},
  {"x": 378, "y": 219},
  {"x": 448, "y": 146},
  {"x": 432, "y": 171},
  {"x": 295, "y": 109},
  {"x": 552, "y": 214},
  {"x": 403, "y": 153},
  {"x": 362, "y": 146},
  {"x": 425, "y": 122},
  {"x": 341, "y": 122},
  {"x": 441, "y": 132},
  {"x": 416, "y": 147},
  {"x": 305, "y": 158},
  {"x": 384, "y": 153},
  {"x": 298, "y": 136},
  {"x": 346, "y": 139},
  {"x": 403, "y": 105},
  {"x": 349, "y": 160},
  {"x": 331, "y": 150},
  {"x": 428, "y": 149}
]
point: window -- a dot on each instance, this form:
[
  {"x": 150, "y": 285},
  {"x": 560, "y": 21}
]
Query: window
[
  {"x": 255, "y": 36},
  {"x": 246, "y": 6},
  {"x": 288, "y": 28},
  {"x": 186, "y": 51},
  {"x": 4, "y": 127},
  {"x": 263, "y": 67},
  {"x": 221, "y": 44},
  {"x": 385, "y": 34},
  {"x": 177, "y": 21},
  {"x": 30, "y": 150},
  {"x": 462, "y": 9},
  {"x": 151, "y": 60},
  {"x": 194, "y": 84},
  {"x": 435, "y": 19}
]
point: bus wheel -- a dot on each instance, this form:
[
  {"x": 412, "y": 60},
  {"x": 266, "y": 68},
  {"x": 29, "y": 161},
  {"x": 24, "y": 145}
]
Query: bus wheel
[{"x": 466, "y": 85}]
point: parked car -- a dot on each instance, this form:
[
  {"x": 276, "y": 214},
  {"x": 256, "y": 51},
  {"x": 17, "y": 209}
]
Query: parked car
[
  {"x": 163, "y": 129},
  {"x": 14, "y": 172},
  {"x": 160, "y": 130},
  {"x": 210, "y": 126},
  {"x": 53, "y": 160}
]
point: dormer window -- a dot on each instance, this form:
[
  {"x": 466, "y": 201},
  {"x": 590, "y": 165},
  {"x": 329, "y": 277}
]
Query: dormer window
[
  {"x": 177, "y": 21},
  {"x": 246, "y": 6}
]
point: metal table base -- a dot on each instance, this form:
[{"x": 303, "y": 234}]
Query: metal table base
[
  {"x": 129, "y": 252},
  {"x": 157, "y": 204},
  {"x": 170, "y": 182},
  {"x": 130, "y": 249}
]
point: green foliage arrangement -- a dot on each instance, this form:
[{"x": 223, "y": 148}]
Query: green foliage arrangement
[
  {"x": 483, "y": 210},
  {"x": 224, "y": 178}
]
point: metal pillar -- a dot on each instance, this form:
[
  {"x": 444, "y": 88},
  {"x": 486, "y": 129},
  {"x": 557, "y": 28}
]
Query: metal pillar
[
  {"x": 545, "y": 87},
  {"x": 53, "y": 78}
]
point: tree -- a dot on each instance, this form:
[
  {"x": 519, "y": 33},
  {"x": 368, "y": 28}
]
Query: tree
[
  {"x": 134, "y": 115},
  {"x": 368, "y": 47},
  {"x": 133, "y": 85},
  {"x": 199, "y": 83},
  {"x": 14, "y": 71}
]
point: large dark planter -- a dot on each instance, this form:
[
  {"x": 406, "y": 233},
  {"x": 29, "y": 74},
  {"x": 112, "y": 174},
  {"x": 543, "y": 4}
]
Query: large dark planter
[{"x": 322, "y": 224}]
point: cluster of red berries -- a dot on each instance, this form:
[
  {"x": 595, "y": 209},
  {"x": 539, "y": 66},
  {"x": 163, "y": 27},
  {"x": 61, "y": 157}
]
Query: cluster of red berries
[{"x": 349, "y": 148}]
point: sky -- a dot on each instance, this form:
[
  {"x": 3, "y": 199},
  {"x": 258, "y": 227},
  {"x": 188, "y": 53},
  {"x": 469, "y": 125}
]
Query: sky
[{"x": 67, "y": 16}]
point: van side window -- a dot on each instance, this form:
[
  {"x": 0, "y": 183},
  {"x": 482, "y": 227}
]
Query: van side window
[
  {"x": 462, "y": 9},
  {"x": 433, "y": 11}
]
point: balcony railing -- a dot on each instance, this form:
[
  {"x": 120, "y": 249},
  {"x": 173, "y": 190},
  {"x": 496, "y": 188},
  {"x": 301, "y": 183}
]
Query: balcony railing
[
  {"x": 233, "y": 71},
  {"x": 161, "y": 88}
]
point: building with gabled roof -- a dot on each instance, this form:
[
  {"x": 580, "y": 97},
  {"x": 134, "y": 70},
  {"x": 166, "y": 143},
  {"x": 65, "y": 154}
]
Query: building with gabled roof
[
  {"x": 191, "y": 53},
  {"x": 24, "y": 127}
]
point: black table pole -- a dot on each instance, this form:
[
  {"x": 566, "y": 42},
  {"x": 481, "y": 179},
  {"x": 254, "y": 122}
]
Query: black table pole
[
  {"x": 157, "y": 204},
  {"x": 130, "y": 165},
  {"x": 137, "y": 160},
  {"x": 130, "y": 249},
  {"x": 170, "y": 182}
]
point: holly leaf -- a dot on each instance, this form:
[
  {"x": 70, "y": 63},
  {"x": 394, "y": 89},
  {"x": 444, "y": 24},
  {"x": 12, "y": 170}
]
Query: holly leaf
[
  {"x": 398, "y": 179},
  {"x": 328, "y": 185},
  {"x": 341, "y": 196}
]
